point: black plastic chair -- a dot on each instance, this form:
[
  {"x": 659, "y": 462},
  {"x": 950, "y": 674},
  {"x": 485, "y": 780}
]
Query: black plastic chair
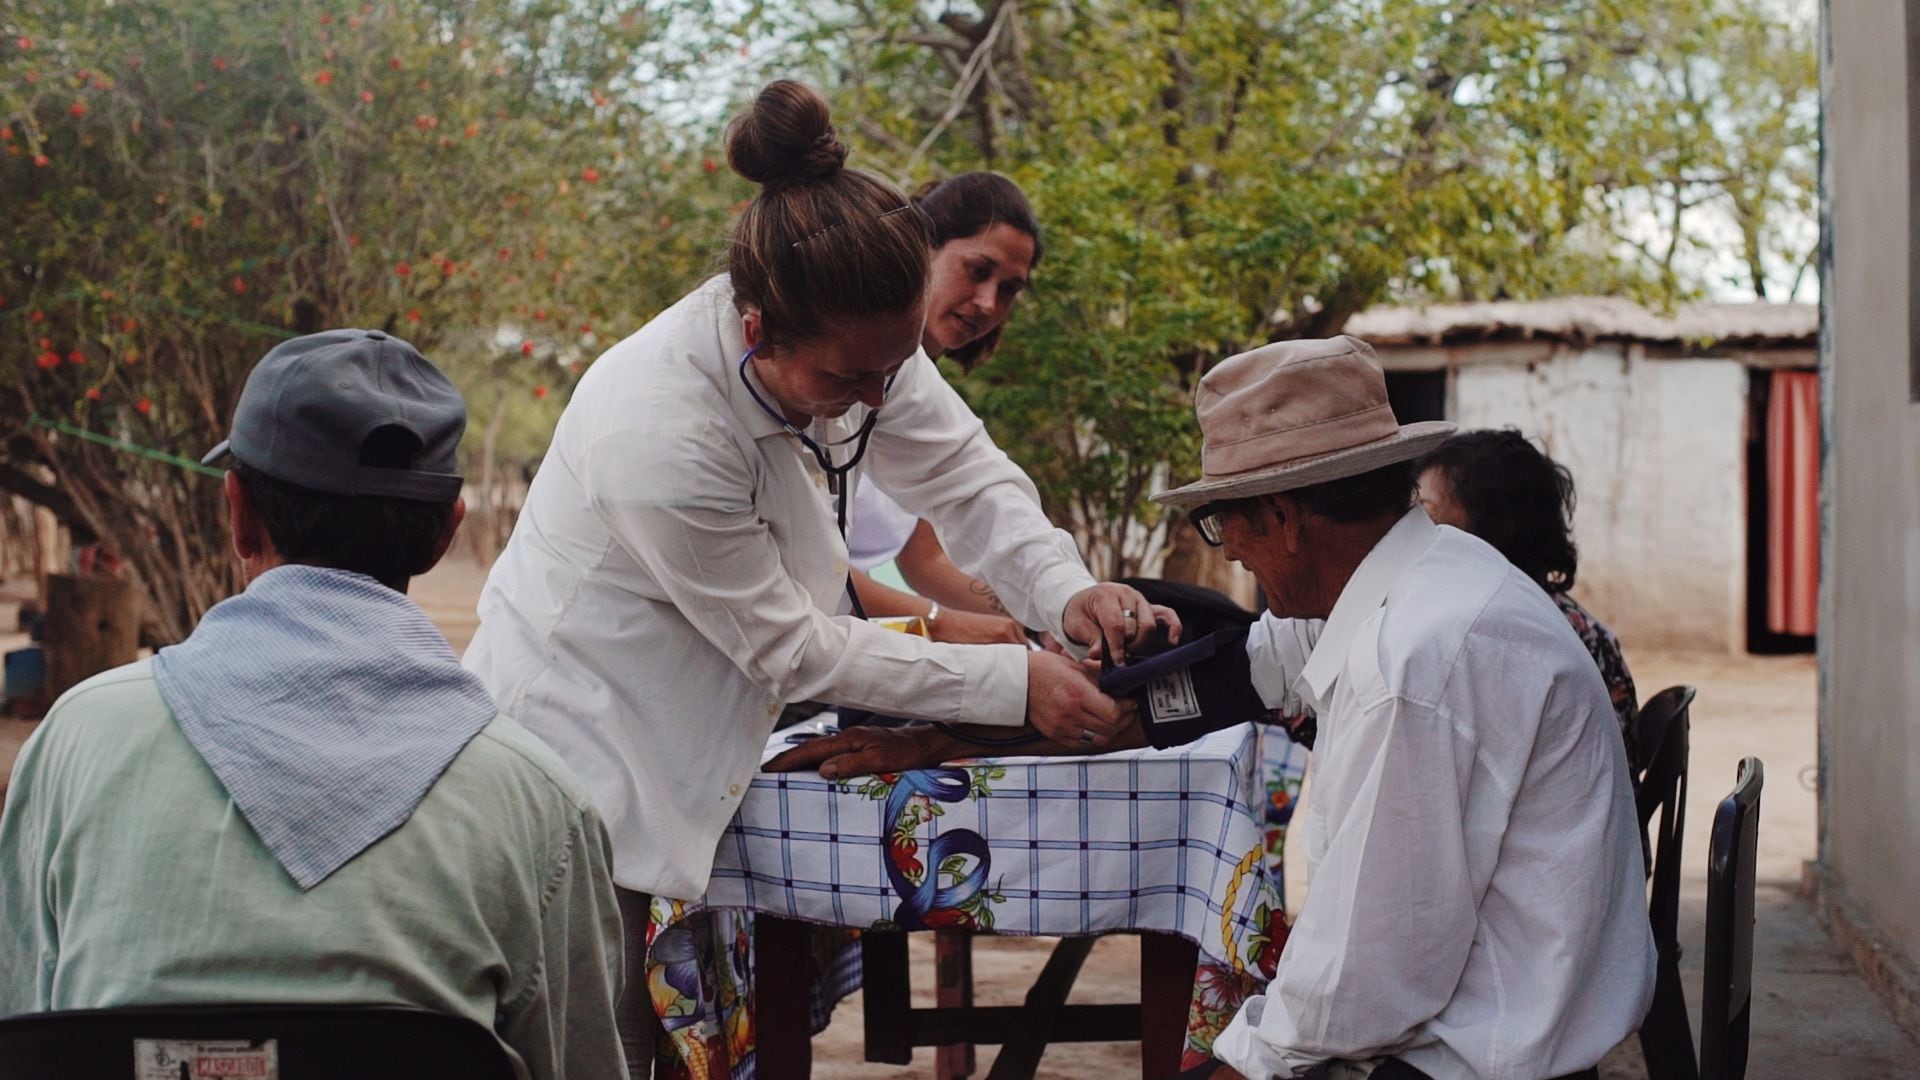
[
  {"x": 1661, "y": 731},
  {"x": 1726, "y": 997},
  {"x": 308, "y": 1042}
]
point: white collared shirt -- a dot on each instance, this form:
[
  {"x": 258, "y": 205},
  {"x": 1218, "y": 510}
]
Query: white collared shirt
[
  {"x": 677, "y": 574},
  {"x": 1476, "y": 902}
]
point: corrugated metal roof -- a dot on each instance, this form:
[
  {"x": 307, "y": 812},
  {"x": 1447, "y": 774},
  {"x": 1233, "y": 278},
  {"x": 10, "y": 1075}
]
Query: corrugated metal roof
[{"x": 1589, "y": 318}]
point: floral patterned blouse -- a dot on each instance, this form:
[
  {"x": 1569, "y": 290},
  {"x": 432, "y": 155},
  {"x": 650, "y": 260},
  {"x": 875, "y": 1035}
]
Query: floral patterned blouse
[{"x": 1613, "y": 667}]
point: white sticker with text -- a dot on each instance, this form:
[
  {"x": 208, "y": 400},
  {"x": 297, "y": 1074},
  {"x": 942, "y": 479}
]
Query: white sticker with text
[
  {"x": 1171, "y": 697},
  {"x": 192, "y": 1059}
]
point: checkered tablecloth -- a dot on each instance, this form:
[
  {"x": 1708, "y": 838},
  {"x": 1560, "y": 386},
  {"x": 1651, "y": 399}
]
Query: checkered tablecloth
[{"x": 1178, "y": 841}]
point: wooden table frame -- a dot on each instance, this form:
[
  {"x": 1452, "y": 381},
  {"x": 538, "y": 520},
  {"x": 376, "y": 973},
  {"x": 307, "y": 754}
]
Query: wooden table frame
[{"x": 893, "y": 1027}]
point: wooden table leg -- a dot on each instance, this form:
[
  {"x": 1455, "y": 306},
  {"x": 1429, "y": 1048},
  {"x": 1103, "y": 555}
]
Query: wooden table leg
[
  {"x": 782, "y": 984},
  {"x": 1020, "y": 1051},
  {"x": 1167, "y": 963},
  {"x": 953, "y": 988},
  {"x": 886, "y": 995}
]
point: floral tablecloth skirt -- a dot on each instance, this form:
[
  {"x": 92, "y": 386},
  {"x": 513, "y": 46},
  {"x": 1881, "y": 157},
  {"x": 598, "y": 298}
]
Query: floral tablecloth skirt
[{"x": 1186, "y": 841}]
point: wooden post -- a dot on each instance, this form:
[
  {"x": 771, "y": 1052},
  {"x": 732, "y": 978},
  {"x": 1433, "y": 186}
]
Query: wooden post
[
  {"x": 782, "y": 981},
  {"x": 93, "y": 624},
  {"x": 953, "y": 989},
  {"x": 1167, "y": 963}
]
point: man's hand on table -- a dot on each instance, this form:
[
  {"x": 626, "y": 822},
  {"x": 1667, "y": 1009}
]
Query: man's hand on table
[
  {"x": 1111, "y": 618},
  {"x": 864, "y": 751}
]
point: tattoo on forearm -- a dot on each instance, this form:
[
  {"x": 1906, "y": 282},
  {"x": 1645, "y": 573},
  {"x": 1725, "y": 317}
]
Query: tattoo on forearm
[{"x": 985, "y": 592}]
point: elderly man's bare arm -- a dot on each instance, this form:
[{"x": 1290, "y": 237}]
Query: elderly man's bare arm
[{"x": 863, "y": 751}]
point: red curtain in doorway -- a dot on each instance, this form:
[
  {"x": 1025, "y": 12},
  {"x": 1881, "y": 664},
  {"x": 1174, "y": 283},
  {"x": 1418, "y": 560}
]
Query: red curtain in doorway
[{"x": 1793, "y": 502}]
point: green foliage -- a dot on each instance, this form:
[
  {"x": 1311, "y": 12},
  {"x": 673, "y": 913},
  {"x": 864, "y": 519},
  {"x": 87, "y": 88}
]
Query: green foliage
[
  {"x": 187, "y": 182},
  {"x": 1217, "y": 174},
  {"x": 514, "y": 184}
]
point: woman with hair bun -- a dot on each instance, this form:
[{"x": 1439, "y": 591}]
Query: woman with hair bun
[{"x": 679, "y": 572}]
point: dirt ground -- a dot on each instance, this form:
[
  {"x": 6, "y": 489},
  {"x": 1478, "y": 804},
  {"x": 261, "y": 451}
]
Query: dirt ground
[{"x": 1812, "y": 1013}]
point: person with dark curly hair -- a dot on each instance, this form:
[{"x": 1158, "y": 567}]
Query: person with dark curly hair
[{"x": 1502, "y": 488}]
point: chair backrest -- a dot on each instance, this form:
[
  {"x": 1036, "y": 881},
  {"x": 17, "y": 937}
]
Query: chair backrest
[
  {"x": 289, "y": 1042},
  {"x": 1661, "y": 731},
  {"x": 1726, "y": 997}
]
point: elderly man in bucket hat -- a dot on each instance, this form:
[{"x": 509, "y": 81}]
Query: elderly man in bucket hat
[
  {"x": 1475, "y": 905},
  {"x": 308, "y": 800}
]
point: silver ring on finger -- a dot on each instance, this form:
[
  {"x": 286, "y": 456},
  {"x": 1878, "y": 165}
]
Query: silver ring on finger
[{"x": 1086, "y": 737}]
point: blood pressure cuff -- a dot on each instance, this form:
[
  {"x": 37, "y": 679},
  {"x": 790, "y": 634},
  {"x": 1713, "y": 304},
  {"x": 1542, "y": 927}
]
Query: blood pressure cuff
[{"x": 1191, "y": 690}]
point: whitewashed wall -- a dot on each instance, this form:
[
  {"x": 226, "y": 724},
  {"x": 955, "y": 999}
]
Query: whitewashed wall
[
  {"x": 1657, "y": 450},
  {"x": 1870, "y": 617}
]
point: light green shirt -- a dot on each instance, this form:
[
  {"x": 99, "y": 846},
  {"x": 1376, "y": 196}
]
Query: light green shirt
[{"x": 128, "y": 877}]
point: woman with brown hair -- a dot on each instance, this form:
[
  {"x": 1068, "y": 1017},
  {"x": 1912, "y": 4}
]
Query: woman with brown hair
[
  {"x": 679, "y": 571},
  {"x": 986, "y": 244}
]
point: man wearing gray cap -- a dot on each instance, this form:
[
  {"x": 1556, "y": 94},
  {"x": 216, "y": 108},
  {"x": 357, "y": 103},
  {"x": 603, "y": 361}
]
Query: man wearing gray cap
[
  {"x": 309, "y": 800},
  {"x": 1475, "y": 903}
]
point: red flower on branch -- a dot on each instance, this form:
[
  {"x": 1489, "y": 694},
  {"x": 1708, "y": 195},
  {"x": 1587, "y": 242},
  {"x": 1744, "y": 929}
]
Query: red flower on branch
[
  {"x": 47, "y": 361},
  {"x": 413, "y": 315},
  {"x": 78, "y": 108},
  {"x": 590, "y": 175},
  {"x": 93, "y": 393},
  {"x": 25, "y": 43},
  {"x": 239, "y": 287},
  {"x": 709, "y": 164},
  {"x": 366, "y": 97},
  {"x": 539, "y": 391},
  {"x": 526, "y": 348},
  {"x": 76, "y": 357},
  {"x": 144, "y": 405},
  {"x": 402, "y": 269},
  {"x": 425, "y": 122},
  {"x": 325, "y": 78},
  {"x": 40, "y": 161},
  {"x": 219, "y": 63}
]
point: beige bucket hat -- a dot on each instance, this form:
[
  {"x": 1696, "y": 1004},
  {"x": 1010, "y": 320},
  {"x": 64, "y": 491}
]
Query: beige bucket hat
[{"x": 1296, "y": 413}]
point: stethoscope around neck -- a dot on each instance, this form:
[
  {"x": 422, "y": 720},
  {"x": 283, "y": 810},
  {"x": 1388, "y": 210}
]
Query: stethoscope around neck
[
  {"x": 837, "y": 475},
  {"x": 836, "y": 481}
]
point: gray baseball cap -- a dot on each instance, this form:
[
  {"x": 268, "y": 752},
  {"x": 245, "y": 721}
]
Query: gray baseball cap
[{"x": 310, "y": 404}]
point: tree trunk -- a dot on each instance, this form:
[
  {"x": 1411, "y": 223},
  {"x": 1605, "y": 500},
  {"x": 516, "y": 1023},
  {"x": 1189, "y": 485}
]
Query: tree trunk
[
  {"x": 93, "y": 624},
  {"x": 487, "y": 540}
]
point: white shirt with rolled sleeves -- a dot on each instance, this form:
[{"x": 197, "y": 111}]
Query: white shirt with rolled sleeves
[
  {"x": 1475, "y": 904},
  {"x": 677, "y": 573}
]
